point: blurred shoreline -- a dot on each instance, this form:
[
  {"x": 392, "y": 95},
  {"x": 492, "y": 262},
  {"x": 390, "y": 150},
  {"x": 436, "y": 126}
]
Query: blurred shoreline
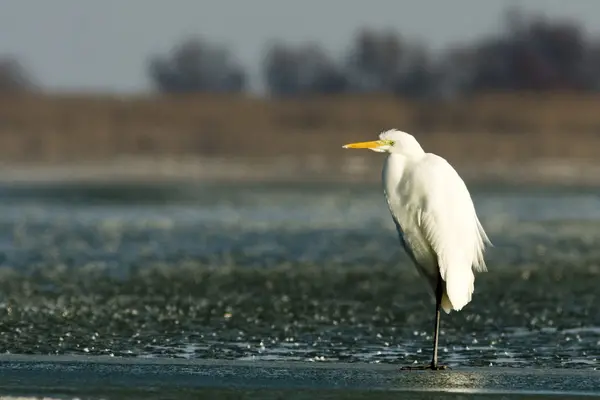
[
  {"x": 285, "y": 169},
  {"x": 505, "y": 138}
]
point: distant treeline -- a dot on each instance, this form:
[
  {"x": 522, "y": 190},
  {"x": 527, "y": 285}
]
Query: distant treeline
[{"x": 531, "y": 53}]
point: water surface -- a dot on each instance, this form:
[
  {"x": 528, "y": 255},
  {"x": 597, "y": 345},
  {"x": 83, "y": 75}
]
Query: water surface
[{"x": 288, "y": 272}]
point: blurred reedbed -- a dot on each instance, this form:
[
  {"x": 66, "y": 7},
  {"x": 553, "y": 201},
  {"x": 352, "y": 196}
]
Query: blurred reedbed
[{"x": 501, "y": 130}]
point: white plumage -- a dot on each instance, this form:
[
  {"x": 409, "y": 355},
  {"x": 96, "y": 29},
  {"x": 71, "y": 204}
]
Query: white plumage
[{"x": 435, "y": 218}]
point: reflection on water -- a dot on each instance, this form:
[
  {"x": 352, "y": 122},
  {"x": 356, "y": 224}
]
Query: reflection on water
[
  {"x": 162, "y": 378},
  {"x": 308, "y": 272}
]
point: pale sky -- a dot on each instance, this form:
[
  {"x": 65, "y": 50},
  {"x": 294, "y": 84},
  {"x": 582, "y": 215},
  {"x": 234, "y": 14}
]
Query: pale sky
[{"x": 104, "y": 44}]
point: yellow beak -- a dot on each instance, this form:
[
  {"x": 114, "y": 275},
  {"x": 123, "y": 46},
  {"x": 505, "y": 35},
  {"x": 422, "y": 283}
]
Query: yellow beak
[{"x": 363, "y": 145}]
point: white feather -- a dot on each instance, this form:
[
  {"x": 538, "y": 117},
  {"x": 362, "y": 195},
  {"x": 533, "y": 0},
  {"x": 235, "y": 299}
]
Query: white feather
[{"x": 436, "y": 218}]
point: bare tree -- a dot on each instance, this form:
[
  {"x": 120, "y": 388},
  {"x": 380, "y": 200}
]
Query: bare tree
[
  {"x": 375, "y": 60},
  {"x": 384, "y": 61},
  {"x": 197, "y": 66},
  {"x": 534, "y": 53},
  {"x": 303, "y": 69},
  {"x": 13, "y": 76}
]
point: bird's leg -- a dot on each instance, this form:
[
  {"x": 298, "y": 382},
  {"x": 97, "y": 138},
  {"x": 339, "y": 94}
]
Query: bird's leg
[{"x": 439, "y": 292}]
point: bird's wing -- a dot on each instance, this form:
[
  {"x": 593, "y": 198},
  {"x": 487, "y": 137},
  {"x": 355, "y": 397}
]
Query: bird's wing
[{"x": 449, "y": 223}]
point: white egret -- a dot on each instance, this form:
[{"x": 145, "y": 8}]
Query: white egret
[{"x": 436, "y": 220}]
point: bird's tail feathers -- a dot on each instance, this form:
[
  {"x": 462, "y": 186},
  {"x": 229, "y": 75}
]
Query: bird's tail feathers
[{"x": 459, "y": 286}]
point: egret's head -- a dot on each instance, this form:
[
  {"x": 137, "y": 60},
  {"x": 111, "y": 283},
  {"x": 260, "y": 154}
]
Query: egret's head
[{"x": 391, "y": 141}]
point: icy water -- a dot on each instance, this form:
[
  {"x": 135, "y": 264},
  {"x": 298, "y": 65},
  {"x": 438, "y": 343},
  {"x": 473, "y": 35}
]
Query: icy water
[{"x": 290, "y": 273}]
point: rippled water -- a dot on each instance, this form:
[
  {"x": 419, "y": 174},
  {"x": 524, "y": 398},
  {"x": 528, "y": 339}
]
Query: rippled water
[{"x": 309, "y": 272}]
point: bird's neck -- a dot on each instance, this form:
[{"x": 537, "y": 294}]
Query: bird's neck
[
  {"x": 393, "y": 170},
  {"x": 398, "y": 161}
]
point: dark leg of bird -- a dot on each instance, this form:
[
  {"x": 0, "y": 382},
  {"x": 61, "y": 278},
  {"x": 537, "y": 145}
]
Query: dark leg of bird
[{"x": 439, "y": 292}]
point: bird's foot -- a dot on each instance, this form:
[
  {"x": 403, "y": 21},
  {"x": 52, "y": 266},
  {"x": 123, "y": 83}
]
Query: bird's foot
[{"x": 429, "y": 367}]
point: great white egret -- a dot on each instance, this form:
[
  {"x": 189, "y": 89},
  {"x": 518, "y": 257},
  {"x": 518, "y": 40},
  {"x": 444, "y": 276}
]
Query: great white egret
[{"x": 436, "y": 220}]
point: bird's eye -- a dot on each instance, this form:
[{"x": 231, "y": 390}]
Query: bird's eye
[{"x": 391, "y": 142}]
